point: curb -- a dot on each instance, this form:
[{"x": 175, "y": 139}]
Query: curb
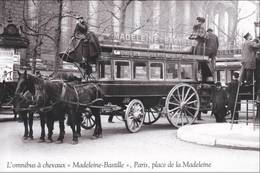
[{"x": 207, "y": 134}]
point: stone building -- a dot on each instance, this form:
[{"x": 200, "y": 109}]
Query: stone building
[{"x": 164, "y": 19}]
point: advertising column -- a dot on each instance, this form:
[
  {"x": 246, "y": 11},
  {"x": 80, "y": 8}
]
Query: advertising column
[{"x": 6, "y": 64}]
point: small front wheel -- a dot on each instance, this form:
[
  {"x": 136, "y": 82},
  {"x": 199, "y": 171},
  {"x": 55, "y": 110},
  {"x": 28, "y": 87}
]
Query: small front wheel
[{"x": 134, "y": 115}]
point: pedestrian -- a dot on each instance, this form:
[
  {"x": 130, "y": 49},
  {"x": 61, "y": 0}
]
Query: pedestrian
[
  {"x": 212, "y": 45},
  {"x": 249, "y": 58},
  {"x": 219, "y": 103},
  {"x": 200, "y": 35},
  {"x": 232, "y": 92}
]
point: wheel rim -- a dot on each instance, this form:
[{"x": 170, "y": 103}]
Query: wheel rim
[
  {"x": 134, "y": 115},
  {"x": 88, "y": 121},
  {"x": 182, "y": 105},
  {"x": 152, "y": 115}
]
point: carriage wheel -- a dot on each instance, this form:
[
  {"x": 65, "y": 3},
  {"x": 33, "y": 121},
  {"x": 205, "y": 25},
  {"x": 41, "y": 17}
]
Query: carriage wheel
[
  {"x": 88, "y": 121},
  {"x": 134, "y": 115},
  {"x": 182, "y": 105},
  {"x": 152, "y": 115}
]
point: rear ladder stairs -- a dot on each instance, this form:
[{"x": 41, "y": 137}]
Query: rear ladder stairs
[{"x": 253, "y": 101}]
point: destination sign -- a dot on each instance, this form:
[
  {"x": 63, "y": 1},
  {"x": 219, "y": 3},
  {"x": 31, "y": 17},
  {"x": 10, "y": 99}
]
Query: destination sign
[
  {"x": 152, "y": 39},
  {"x": 132, "y": 53}
]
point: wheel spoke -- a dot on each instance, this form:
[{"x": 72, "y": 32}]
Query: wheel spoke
[
  {"x": 153, "y": 115},
  {"x": 192, "y": 108},
  {"x": 170, "y": 111},
  {"x": 188, "y": 103},
  {"x": 182, "y": 93},
  {"x": 190, "y": 113},
  {"x": 186, "y": 117},
  {"x": 190, "y": 97},
  {"x": 187, "y": 93},
  {"x": 131, "y": 124},
  {"x": 178, "y": 118},
  {"x": 176, "y": 104},
  {"x": 181, "y": 115},
  {"x": 176, "y": 113},
  {"x": 91, "y": 118},
  {"x": 179, "y": 95},
  {"x": 177, "y": 100}
]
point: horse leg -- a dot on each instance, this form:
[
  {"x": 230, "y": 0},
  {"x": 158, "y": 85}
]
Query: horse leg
[
  {"x": 98, "y": 127},
  {"x": 25, "y": 123},
  {"x": 62, "y": 129},
  {"x": 72, "y": 126},
  {"x": 50, "y": 124},
  {"x": 30, "y": 124},
  {"x": 79, "y": 120},
  {"x": 42, "y": 120}
]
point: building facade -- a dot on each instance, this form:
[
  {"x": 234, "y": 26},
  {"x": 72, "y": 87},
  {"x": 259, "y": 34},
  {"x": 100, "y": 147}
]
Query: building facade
[{"x": 170, "y": 20}]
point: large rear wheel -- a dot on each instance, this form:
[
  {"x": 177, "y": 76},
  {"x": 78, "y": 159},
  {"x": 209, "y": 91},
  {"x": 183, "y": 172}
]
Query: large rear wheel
[
  {"x": 134, "y": 115},
  {"x": 182, "y": 105}
]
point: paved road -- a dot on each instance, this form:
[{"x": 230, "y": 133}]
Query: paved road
[{"x": 154, "y": 148}]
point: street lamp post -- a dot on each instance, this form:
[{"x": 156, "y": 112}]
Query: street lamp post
[
  {"x": 257, "y": 30},
  {"x": 257, "y": 35}
]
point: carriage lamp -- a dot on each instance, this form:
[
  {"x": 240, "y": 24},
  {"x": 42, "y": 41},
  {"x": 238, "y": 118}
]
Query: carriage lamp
[{"x": 257, "y": 29}]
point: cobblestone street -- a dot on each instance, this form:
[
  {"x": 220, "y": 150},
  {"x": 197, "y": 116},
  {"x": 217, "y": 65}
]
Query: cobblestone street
[{"x": 153, "y": 148}]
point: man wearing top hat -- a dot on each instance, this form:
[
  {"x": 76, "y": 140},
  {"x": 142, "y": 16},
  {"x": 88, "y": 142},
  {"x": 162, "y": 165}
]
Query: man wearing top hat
[
  {"x": 219, "y": 102},
  {"x": 199, "y": 34},
  {"x": 249, "y": 58}
]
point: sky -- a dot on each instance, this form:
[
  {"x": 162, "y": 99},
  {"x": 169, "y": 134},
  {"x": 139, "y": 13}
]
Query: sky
[{"x": 247, "y": 25}]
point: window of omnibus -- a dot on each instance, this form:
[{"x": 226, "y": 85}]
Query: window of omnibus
[
  {"x": 156, "y": 70},
  {"x": 172, "y": 70},
  {"x": 105, "y": 70},
  {"x": 122, "y": 70},
  {"x": 186, "y": 71},
  {"x": 140, "y": 70}
]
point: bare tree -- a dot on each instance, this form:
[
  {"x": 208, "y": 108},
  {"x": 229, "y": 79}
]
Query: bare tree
[
  {"x": 43, "y": 26},
  {"x": 233, "y": 34}
]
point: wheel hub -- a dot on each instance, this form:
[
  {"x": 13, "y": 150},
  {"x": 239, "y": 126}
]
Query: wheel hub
[{"x": 182, "y": 105}]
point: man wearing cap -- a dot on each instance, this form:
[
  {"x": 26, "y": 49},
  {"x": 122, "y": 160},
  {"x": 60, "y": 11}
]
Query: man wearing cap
[
  {"x": 249, "y": 58},
  {"x": 232, "y": 91},
  {"x": 212, "y": 45},
  {"x": 199, "y": 34},
  {"x": 219, "y": 102}
]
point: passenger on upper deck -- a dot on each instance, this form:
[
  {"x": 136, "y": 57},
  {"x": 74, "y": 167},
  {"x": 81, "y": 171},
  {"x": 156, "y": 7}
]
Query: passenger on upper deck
[
  {"x": 249, "y": 58},
  {"x": 212, "y": 45},
  {"x": 199, "y": 34}
]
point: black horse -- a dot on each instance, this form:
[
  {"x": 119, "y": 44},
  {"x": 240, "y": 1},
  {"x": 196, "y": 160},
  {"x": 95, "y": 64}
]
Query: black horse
[
  {"x": 21, "y": 103},
  {"x": 64, "y": 98}
]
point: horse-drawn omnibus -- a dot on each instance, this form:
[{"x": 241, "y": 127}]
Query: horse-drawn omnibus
[{"x": 141, "y": 84}]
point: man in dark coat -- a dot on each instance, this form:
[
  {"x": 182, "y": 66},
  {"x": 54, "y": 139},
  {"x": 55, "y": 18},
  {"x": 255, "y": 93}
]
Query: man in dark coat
[
  {"x": 212, "y": 45},
  {"x": 232, "y": 91},
  {"x": 249, "y": 57},
  {"x": 219, "y": 100},
  {"x": 199, "y": 34}
]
